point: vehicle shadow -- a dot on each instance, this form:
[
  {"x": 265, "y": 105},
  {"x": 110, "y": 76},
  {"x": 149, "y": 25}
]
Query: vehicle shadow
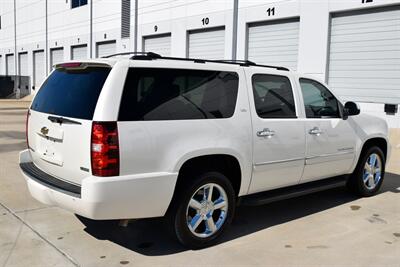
[{"x": 151, "y": 236}]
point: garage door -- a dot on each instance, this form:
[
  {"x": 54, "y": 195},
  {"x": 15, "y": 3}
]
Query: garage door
[
  {"x": 274, "y": 43},
  {"x": 106, "y": 49},
  {"x": 38, "y": 68},
  {"x": 10, "y": 63},
  {"x": 56, "y": 56},
  {"x": 23, "y": 64},
  {"x": 160, "y": 44},
  {"x": 1, "y": 65},
  {"x": 364, "y": 57},
  {"x": 79, "y": 52},
  {"x": 207, "y": 44}
]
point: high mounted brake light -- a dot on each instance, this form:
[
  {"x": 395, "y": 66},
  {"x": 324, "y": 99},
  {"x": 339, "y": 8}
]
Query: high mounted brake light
[
  {"x": 105, "y": 149},
  {"x": 70, "y": 65}
]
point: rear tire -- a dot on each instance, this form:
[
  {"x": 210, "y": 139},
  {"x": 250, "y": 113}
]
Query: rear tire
[
  {"x": 367, "y": 178},
  {"x": 199, "y": 218}
]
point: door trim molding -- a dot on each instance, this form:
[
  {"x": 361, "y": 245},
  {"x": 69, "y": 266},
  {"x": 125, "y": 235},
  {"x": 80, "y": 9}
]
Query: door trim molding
[{"x": 278, "y": 161}]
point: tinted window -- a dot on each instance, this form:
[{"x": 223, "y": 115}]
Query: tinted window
[
  {"x": 78, "y": 3},
  {"x": 176, "y": 94},
  {"x": 71, "y": 93},
  {"x": 318, "y": 101},
  {"x": 273, "y": 96}
]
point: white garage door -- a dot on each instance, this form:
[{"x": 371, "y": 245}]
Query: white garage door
[
  {"x": 106, "y": 49},
  {"x": 207, "y": 44},
  {"x": 38, "y": 68},
  {"x": 1, "y": 65},
  {"x": 364, "y": 57},
  {"x": 10, "y": 63},
  {"x": 79, "y": 52},
  {"x": 23, "y": 64},
  {"x": 274, "y": 43},
  {"x": 56, "y": 56},
  {"x": 158, "y": 44}
]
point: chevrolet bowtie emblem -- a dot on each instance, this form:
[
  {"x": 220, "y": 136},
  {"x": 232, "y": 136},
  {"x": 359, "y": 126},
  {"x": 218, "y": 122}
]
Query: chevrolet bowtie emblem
[{"x": 44, "y": 130}]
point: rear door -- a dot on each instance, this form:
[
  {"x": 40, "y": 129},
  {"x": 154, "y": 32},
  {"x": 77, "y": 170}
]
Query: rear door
[
  {"x": 61, "y": 119},
  {"x": 278, "y": 135},
  {"x": 331, "y": 140}
]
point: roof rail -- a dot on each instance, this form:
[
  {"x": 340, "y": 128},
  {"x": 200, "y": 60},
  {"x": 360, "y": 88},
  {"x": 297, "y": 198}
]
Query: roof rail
[
  {"x": 151, "y": 56},
  {"x": 139, "y": 55}
]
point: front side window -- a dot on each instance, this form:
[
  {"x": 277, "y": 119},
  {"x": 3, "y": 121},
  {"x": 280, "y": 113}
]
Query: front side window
[
  {"x": 273, "y": 96},
  {"x": 78, "y": 3},
  {"x": 178, "y": 94},
  {"x": 319, "y": 102}
]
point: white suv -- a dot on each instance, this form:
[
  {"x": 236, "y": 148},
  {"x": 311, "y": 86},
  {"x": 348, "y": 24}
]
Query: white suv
[{"x": 147, "y": 136}]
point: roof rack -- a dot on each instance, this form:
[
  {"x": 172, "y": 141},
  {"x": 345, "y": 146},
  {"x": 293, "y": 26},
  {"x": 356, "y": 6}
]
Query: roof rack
[
  {"x": 136, "y": 55},
  {"x": 151, "y": 56}
]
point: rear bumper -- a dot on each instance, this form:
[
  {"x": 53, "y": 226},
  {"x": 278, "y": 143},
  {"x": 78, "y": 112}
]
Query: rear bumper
[{"x": 104, "y": 198}]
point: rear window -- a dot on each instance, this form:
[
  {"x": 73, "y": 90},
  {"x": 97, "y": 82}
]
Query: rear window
[
  {"x": 71, "y": 93},
  {"x": 177, "y": 94}
]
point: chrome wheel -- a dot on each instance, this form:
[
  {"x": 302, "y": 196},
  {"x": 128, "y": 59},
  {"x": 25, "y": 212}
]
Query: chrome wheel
[
  {"x": 372, "y": 171},
  {"x": 207, "y": 210}
]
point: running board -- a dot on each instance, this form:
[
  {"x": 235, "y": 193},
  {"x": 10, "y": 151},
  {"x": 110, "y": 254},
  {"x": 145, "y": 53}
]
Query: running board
[{"x": 292, "y": 191}]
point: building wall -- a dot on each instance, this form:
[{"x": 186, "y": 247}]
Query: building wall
[{"x": 68, "y": 27}]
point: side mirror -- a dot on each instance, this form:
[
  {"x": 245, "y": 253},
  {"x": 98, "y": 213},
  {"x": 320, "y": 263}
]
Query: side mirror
[{"x": 351, "y": 109}]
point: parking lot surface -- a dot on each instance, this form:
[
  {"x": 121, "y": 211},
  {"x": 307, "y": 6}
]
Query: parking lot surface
[{"x": 330, "y": 228}]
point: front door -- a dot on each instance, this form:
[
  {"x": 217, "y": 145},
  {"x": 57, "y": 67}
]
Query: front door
[
  {"x": 279, "y": 139},
  {"x": 330, "y": 139}
]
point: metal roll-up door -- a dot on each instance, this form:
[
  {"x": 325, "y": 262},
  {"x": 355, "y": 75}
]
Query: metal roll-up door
[
  {"x": 364, "y": 55},
  {"x": 39, "y": 72},
  {"x": 207, "y": 44},
  {"x": 10, "y": 65},
  {"x": 56, "y": 56},
  {"x": 23, "y": 64},
  {"x": 274, "y": 43},
  {"x": 160, "y": 44},
  {"x": 79, "y": 52},
  {"x": 106, "y": 49}
]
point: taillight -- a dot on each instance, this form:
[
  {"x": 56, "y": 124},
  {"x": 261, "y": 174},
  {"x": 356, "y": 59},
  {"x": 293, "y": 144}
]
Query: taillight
[
  {"x": 105, "y": 149},
  {"x": 28, "y": 114}
]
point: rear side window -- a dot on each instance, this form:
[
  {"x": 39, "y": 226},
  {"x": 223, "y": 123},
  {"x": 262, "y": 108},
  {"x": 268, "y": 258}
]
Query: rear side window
[
  {"x": 273, "y": 96},
  {"x": 71, "y": 93},
  {"x": 178, "y": 94}
]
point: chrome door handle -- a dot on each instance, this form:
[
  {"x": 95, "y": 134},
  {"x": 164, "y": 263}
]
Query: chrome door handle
[
  {"x": 315, "y": 131},
  {"x": 266, "y": 133}
]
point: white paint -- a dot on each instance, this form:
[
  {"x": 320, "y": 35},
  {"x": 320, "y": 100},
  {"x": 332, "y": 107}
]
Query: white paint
[
  {"x": 274, "y": 44},
  {"x": 158, "y": 44},
  {"x": 23, "y": 64},
  {"x": 39, "y": 68},
  {"x": 207, "y": 44},
  {"x": 56, "y": 56},
  {"x": 79, "y": 52},
  {"x": 71, "y": 27},
  {"x": 10, "y": 65},
  {"x": 153, "y": 152},
  {"x": 106, "y": 48}
]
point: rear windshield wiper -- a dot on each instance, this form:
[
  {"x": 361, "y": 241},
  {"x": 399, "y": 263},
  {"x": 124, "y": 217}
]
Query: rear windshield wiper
[{"x": 62, "y": 120}]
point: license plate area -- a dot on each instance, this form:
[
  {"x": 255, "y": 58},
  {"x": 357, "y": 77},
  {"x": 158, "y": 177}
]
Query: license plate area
[{"x": 48, "y": 145}]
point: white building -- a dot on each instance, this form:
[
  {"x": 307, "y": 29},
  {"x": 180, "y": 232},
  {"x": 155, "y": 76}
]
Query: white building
[{"x": 353, "y": 45}]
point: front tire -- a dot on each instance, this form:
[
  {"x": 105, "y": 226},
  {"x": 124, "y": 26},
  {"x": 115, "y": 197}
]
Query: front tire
[
  {"x": 203, "y": 209},
  {"x": 368, "y": 176}
]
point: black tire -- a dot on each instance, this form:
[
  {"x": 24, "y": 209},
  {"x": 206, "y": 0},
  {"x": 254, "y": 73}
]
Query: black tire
[
  {"x": 356, "y": 184},
  {"x": 177, "y": 213}
]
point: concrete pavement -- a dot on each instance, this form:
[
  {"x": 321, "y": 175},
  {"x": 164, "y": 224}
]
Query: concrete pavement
[{"x": 330, "y": 228}]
